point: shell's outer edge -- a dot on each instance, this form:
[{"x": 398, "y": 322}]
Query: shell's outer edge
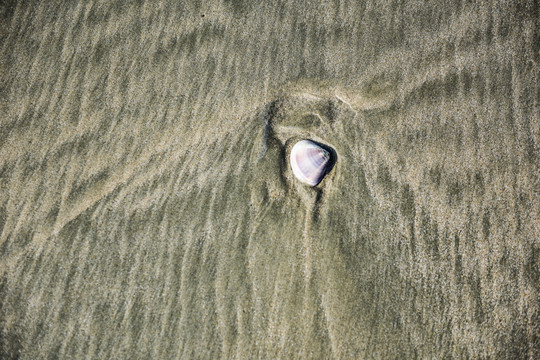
[{"x": 297, "y": 171}]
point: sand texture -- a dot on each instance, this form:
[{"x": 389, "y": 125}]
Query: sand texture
[{"x": 148, "y": 209}]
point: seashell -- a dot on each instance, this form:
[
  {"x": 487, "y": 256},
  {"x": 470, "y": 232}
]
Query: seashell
[{"x": 309, "y": 162}]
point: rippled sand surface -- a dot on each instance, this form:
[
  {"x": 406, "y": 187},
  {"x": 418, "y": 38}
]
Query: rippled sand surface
[{"x": 148, "y": 211}]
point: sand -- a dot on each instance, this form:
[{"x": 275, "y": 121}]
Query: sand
[{"x": 148, "y": 211}]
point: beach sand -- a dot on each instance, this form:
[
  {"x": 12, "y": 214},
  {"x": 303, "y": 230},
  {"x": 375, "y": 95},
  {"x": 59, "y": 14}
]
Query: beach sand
[{"x": 148, "y": 209}]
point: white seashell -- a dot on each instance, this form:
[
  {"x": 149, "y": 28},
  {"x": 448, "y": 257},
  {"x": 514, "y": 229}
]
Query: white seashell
[{"x": 309, "y": 162}]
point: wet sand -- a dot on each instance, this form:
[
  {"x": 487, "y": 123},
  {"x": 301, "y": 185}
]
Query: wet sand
[{"x": 148, "y": 210}]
